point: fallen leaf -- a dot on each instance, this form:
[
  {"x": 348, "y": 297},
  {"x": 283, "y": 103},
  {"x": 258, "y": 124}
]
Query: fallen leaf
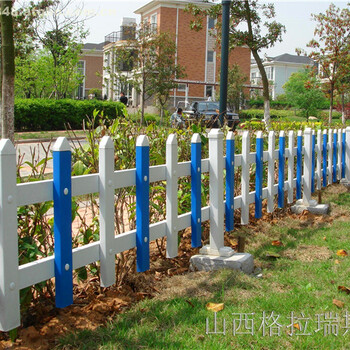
[
  {"x": 344, "y": 289},
  {"x": 276, "y": 243},
  {"x": 338, "y": 303},
  {"x": 188, "y": 302},
  {"x": 296, "y": 325},
  {"x": 332, "y": 281},
  {"x": 215, "y": 307},
  {"x": 336, "y": 261},
  {"x": 342, "y": 252},
  {"x": 324, "y": 238}
]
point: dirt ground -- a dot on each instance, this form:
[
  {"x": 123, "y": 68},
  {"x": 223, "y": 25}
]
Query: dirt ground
[{"x": 43, "y": 324}]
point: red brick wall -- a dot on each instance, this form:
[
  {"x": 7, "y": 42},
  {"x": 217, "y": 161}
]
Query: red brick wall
[{"x": 93, "y": 65}]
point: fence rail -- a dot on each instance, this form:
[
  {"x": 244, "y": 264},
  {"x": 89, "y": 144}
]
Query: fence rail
[{"x": 312, "y": 159}]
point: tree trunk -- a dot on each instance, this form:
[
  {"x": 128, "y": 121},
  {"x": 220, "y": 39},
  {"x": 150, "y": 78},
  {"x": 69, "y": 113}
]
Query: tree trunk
[
  {"x": 331, "y": 106},
  {"x": 8, "y": 71},
  {"x": 265, "y": 82},
  {"x": 343, "y": 108}
]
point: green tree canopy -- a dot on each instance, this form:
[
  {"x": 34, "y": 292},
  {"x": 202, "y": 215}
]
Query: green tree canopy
[{"x": 303, "y": 92}]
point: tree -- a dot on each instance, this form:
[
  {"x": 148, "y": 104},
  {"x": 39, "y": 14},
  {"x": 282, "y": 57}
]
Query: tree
[
  {"x": 236, "y": 81},
  {"x": 161, "y": 79},
  {"x": 246, "y": 28},
  {"x": 8, "y": 70},
  {"x": 332, "y": 47},
  {"x": 62, "y": 36},
  {"x": 147, "y": 62},
  {"x": 303, "y": 91},
  {"x": 38, "y": 77},
  {"x": 14, "y": 31}
]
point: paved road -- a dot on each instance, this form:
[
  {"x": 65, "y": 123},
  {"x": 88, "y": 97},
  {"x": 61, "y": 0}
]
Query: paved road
[{"x": 33, "y": 153}]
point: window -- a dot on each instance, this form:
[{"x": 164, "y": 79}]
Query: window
[
  {"x": 154, "y": 21},
  {"x": 81, "y": 87},
  {"x": 269, "y": 73},
  {"x": 253, "y": 75},
  {"x": 211, "y": 23},
  {"x": 181, "y": 87},
  {"x": 209, "y": 92},
  {"x": 210, "y": 57}
]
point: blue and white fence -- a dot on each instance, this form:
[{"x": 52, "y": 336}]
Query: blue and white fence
[{"x": 320, "y": 160}]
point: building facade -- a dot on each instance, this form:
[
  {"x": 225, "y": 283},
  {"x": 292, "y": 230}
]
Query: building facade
[
  {"x": 196, "y": 51},
  {"x": 90, "y": 65},
  {"x": 278, "y": 70}
]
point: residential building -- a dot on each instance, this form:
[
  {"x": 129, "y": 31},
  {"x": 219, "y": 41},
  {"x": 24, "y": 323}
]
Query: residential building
[
  {"x": 117, "y": 41},
  {"x": 90, "y": 66},
  {"x": 278, "y": 70},
  {"x": 196, "y": 51}
]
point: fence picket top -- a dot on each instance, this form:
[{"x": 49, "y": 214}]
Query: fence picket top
[
  {"x": 230, "y": 135},
  {"x": 282, "y": 133},
  {"x": 245, "y": 135},
  {"x": 215, "y": 134},
  {"x": 300, "y": 133},
  {"x": 106, "y": 142},
  {"x": 171, "y": 140},
  {"x": 142, "y": 141},
  {"x": 325, "y": 132},
  {"x": 196, "y": 138},
  {"x": 6, "y": 147},
  {"x": 259, "y": 134},
  {"x": 307, "y": 131},
  {"x": 61, "y": 145}
]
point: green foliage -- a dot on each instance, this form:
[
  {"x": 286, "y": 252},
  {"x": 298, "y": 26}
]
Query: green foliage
[
  {"x": 45, "y": 114},
  {"x": 259, "y": 103},
  {"x": 303, "y": 92}
]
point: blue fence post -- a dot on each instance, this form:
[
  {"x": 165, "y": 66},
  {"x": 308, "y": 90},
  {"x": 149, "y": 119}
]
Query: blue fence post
[
  {"x": 324, "y": 154},
  {"x": 196, "y": 191},
  {"x": 313, "y": 162},
  {"x": 142, "y": 203},
  {"x": 230, "y": 181},
  {"x": 335, "y": 151},
  {"x": 62, "y": 200},
  {"x": 343, "y": 155},
  {"x": 299, "y": 163},
  {"x": 281, "y": 162},
  {"x": 259, "y": 174}
]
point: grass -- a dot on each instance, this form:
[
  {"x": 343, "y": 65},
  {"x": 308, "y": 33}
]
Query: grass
[
  {"x": 300, "y": 276},
  {"x": 38, "y": 135}
]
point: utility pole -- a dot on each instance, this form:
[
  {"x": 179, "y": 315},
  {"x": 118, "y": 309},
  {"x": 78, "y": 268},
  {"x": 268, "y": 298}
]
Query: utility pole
[{"x": 224, "y": 58}]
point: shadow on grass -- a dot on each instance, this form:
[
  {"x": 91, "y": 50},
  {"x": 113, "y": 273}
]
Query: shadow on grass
[{"x": 150, "y": 325}]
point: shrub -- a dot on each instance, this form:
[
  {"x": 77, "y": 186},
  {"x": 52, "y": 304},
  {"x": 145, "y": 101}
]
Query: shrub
[{"x": 46, "y": 114}]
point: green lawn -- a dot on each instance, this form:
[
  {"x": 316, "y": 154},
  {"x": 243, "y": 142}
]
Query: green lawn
[{"x": 301, "y": 277}]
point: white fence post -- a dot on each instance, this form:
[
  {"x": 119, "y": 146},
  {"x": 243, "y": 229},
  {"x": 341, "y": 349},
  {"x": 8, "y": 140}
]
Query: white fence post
[
  {"x": 330, "y": 156},
  {"x": 245, "y": 178},
  {"x": 171, "y": 196},
  {"x": 340, "y": 138},
  {"x": 319, "y": 158},
  {"x": 216, "y": 189},
  {"x": 106, "y": 172},
  {"x": 307, "y": 166},
  {"x": 271, "y": 173},
  {"x": 9, "y": 292},
  {"x": 290, "y": 166},
  {"x": 347, "y": 154}
]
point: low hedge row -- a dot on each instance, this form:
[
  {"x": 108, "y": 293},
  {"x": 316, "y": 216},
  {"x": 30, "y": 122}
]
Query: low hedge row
[
  {"x": 279, "y": 113},
  {"x": 46, "y": 114}
]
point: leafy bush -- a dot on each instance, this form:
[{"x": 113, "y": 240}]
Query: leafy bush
[
  {"x": 46, "y": 114},
  {"x": 259, "y": 103},
  {"x": 259, "y": 113}
]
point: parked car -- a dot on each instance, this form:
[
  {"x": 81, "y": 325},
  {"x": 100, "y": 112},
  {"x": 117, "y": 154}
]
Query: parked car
[{"x": 208, "y": 113}]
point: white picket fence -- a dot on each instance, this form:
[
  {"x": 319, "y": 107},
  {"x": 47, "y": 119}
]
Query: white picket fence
[{"x": 326, "y": 159}]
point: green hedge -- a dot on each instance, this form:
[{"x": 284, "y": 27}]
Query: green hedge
[
  {"x": 259, "y": 113},
  {"x": 46, "y": 114},
  {"x": 280, "y": 104}
]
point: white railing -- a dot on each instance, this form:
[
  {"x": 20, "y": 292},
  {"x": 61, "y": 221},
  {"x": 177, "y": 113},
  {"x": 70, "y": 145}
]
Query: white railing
[{"x": 326, "y": 159}]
